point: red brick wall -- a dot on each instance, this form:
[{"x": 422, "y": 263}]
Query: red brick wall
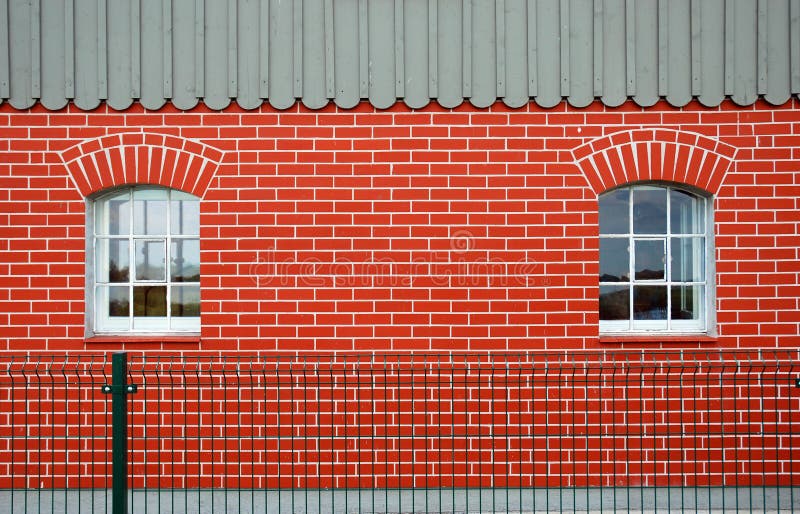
[{"x": 399, "y": 230}]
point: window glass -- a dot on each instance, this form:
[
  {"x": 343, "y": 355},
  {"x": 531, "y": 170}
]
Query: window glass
[
  {"x": 150, "y": 211},
  {"x": 649, "y": 210},
  {"x": 146, "y": 261},
  {"x": 653, "y": 255},
  {"x": 614, "y": 212}
]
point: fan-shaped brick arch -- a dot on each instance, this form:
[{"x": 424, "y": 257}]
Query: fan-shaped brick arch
[
  {"x": 654, "y": 154},
  {"x": 141, "y": 158}
]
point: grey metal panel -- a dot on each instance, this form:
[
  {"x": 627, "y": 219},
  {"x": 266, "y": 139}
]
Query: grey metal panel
[
  {"x": 263, "y": 48},
  {"x": 199, "y": 48},
  {"x": 433, "y": 48},
  {"x": 614, "y": 54},
  {"x": 448, "y": 69},
  {"x": 415, "y": 53},
  {"x": 679, "y": 61},
  {"x": 582, "y": 45},
  {"x": 415, "y": 50},
  {"x": 248, "y": 34},
  {"x": 216, "y": 54},
  {"x": 761, "y": 47},
  {"x": 466, "y": 48},
  {"x": 778, "y": 39},
  {"x": 152, "y": 63},
  {"x": 381, "y": 54},
  {"x": 548, "y": 23},
  {"x": 499, "y": 46},
  {"x": 135, "y": 49},
  {"x": 19, "y": 29},
  {"x": 646, "y": 15},
  {"x": 36, "y": 50},
  {"x": 484, "y": 55},
  {"x": 597, "y": 48},
  {"x": 184, "y": 79},
  {"x": 794, "y": 49},
  {"x": 119, "y": 54},
  {"x": 712, "y": 52},
  {"x": 330, "y": 77},
  {"x": 533, "y": 50},
  {"x": 314, "y": 92},
  {"x": 346, "y": 53},
  {"x": 102, "y": 50},
  {"x": 86, "y": 55},
  {"x": 166, "y": 46},
  {"x": 69, "y": 48},
  {"x": 233, "y": 48},
  {"x": 5, "y": 46},
  {"x": 53, "y": 94},
  {"x": 630, "y": 48},
  {"x": 744, "y": 52},
  {"x": 516, "y": 56},
  {"x": 696, "y": 54},
  {"x": 363, "y": 48},
  {"x": 281, "y": 56},
  {"x": 563, "y": 25},
  {"x": 297, "y": 48},
  {"x": 399, "y": 58}
]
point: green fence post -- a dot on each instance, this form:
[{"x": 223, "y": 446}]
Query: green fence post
[{"x": 119, "y": 390}]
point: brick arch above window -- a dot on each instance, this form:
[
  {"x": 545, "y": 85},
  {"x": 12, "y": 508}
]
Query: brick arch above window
[
  {"x": 654, "y": 154},
  {"x": 141, "y": 158}
]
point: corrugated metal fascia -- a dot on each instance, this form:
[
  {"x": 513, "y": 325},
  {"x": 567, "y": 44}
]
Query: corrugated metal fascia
[{"x": 416, "y": 51}]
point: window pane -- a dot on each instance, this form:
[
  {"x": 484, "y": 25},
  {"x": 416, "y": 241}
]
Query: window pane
[
  {"x": 150, "y": 301},
  {"x": 649, "y": 302},
  {"x": 150, "y": 260},
  {"x": 150, "y": 211},
  {"x": 650, "y": 210},
  {"x": 111, "y": 260},
  {"x": 113, "y": 215},
  {"x": 687, "y": 302},
  {"x": 614, "y": 302},
  {"x": 185, "y": 301},
  {"x": 614, "y": 212},
  {"x": 185, "y": 260},
  {"x": 688, "y": 259},
  {"x": 686, "y": 213},
  {"x": 185, "y": 214},
  {"x": 614, "y": 260},
  {"x": 118, "y": 301},
  {"x": 649, "y": 259}
]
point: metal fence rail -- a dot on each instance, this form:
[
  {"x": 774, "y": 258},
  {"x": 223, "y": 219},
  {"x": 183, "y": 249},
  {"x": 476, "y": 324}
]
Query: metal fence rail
[{"x": 408, "y": 433}]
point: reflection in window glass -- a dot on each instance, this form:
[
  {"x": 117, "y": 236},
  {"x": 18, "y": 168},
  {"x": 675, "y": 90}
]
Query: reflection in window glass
[
  {"x": 149, "y": 301},
  {"x": 614, "y": 303},
  {"x": 649, "y": 259},
  {"x": 185, "y": 301},
  {"x": 150, "y": 211},
  {"x": 614, "y": 212},
  {"x": 150, "y": 260},
  {"x": 686, "y": 213},
  {"x": 688, "y": 259},
  {"x": 185, "y": 260},
  {"x": 687, "y": 302},
  {"x": 652, "y": 266},
  {"x": 614, "y": 260},
  {"x": 649, "y": 302},
  {"x": 649, "y": 210}
]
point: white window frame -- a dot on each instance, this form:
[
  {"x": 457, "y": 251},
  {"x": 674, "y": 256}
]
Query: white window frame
[
  {"x": 706, "y": 322},
  {"x": 98, "y": 321}
]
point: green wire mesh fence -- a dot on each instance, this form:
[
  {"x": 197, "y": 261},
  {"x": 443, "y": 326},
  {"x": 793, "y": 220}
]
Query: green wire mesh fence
[{"x": 529, "y": 432}]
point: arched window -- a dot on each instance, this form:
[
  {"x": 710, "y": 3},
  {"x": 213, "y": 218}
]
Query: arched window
[
  {"x": 145, "y": 249},
  {"x": 655, "y": 260}
]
